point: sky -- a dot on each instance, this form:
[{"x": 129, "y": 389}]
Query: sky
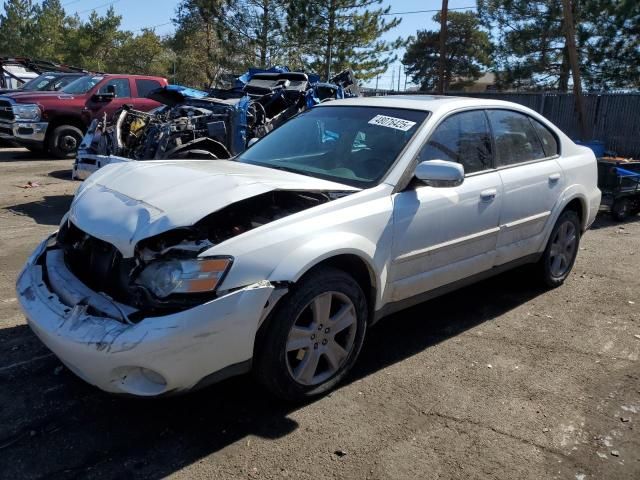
[{"x": 137, "y": 14}]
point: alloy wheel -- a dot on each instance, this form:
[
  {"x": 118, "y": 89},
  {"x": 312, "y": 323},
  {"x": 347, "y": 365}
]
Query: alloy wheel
[
  {"x": 563, "y": 249},
  {"x": 321, "y": 339}
]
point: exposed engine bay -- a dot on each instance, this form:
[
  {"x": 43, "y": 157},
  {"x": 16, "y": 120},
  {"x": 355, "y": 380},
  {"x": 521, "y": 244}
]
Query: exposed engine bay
[
  {"x": 212, "y": 125},
  {"x": 101, "y": 267}
]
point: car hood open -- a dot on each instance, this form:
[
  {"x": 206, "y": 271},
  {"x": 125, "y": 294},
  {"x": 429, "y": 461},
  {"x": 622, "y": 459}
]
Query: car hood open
[{"x": 125, "y": 203}]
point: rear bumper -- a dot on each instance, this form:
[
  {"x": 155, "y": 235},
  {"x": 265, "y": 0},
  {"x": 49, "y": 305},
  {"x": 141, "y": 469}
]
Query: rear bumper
[
  {"x": 24, "y": 132},
  {"x": 156, "y": 356}
]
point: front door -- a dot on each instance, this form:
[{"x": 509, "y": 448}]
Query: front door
[
  {"x": 445, "y": 234},
  {"x": 122, "y": 88}
]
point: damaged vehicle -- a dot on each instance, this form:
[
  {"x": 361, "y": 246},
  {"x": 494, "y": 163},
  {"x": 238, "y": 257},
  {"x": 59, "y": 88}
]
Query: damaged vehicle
[
  {"x": 206, "y": 125},
  {"x": 168, "y": 275}
]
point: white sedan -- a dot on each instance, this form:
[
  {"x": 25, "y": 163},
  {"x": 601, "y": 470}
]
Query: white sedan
[{"x": 168, "y": 275}]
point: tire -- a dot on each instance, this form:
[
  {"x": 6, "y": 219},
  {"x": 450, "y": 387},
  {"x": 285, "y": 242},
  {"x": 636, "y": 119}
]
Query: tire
[
  {"x": 64, "y": 141},
  {"x": 561, "y": 251},
  {"x": 316, "y": 365},
  {"x": 621, "y": 209}
]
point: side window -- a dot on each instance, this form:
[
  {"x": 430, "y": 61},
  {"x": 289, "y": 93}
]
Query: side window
[
  {"x": 145, "y": 86},
  {"x": 548, "y": 139},
  {"x": 515, "y": 137},
  {"x": 463, "y": 138},
  {"x": 121, "y": 85}
]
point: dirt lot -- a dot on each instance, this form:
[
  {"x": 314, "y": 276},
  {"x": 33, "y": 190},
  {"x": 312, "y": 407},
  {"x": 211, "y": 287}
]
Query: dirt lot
[{"x": 501, "y": 380}]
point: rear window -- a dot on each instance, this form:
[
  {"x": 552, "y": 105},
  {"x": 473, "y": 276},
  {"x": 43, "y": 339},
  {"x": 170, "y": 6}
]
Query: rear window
[
  {"x": 548, "y": 139},
  {"x": 515, "y": 138},
  {"x": 145, "y": 86}
]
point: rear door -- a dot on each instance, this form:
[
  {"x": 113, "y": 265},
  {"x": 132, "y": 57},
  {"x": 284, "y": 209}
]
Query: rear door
[
  {"x": 527, "y": 159},
  {"x": 446, "y": 234}
]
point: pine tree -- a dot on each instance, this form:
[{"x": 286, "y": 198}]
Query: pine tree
[
  {"x": 50, "y": 30},
  {"x": 328, "y": 36},
  {"x": 17, "y": 28},
  {"x": 468, "y": 51}
]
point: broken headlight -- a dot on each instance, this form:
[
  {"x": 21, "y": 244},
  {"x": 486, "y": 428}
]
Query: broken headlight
[{"x": 198, "y": 275}]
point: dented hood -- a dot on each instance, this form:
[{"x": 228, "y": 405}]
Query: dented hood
[{"x": 125, "y": 203}]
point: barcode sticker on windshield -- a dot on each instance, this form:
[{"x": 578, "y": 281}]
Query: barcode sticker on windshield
[{"x": 392, "y": 122}]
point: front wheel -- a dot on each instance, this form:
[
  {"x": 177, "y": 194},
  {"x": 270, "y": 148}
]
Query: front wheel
[
  {"x": 314, "y": 337},
  {"x": 64, "y": 141},
  {"x": 561, "y": 251}
]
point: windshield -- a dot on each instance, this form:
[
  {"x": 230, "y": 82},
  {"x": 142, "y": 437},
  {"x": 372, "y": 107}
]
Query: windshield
[
  {"x": 38, "y": 83},
  {"x": 82, "y": 85},
  {"x": 351, "y": 145}
]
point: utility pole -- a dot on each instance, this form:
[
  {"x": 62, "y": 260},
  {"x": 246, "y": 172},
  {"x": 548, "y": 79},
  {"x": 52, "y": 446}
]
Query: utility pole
[
  {"x": 377, "y": 78},
  {"x": 393, "y": 77},
  {"x": 398, "y": 77},
  {"x": 405, "y": 78},
  {"x": 443, "y": 46},
  {"x": 570, "y": 35}
]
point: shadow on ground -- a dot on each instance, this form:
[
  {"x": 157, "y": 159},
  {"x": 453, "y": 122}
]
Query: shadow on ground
[
  {"x": 8, "y": 155},
  {"x": 47, "y": 211},
  {"x": 61, "y": 174},
  {"x": 54, "y": 425}
]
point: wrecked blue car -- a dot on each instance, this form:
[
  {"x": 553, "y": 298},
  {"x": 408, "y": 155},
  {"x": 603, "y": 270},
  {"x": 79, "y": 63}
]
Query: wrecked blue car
[{"x": 217, "y": 124}]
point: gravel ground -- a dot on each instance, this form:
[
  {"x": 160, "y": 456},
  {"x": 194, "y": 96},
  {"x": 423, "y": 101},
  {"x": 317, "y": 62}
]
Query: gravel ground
[{"x": 500, "y": 380}]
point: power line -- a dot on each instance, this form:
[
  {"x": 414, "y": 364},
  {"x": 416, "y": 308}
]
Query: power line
[
  {"x": 471, "y": 7},
  {"x": 151, "y": 27},
  {"x": 97, "y": 7}
]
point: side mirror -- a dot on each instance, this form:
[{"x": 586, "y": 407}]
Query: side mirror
[
  {"x": 440, "y": 173},
  {"x": 252, "y": 141},
  {"x": 103, "y": 97}
]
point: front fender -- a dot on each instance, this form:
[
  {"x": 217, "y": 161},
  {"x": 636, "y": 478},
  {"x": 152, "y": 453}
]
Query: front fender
[{"x": 314, "y": 252}]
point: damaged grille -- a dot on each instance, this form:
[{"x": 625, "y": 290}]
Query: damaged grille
[
  {"x": 98, "y": 264},
  {"x": 6, "y": 112}
]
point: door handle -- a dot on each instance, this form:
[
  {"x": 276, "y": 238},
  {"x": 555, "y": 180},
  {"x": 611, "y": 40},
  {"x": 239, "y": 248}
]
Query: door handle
[
  {"x": 554, "y": 177},
  {"x": 488, "y": 195}
]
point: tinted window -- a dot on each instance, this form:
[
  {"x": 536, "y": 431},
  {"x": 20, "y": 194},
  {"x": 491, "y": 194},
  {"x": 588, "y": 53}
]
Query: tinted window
[
  {"x": 463, "y": 138},
  {"x": 82, "y": 85},
  {"x": 548, "y": 139},
  {"x": 516, "y": 140},
  {"x": 351, "y": 145},
  {"x": 121, "y": 85},
  {"x": 146, "y": 86}
]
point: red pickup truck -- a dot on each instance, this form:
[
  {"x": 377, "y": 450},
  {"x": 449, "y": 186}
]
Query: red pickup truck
[{"x": 56, "y": 121}]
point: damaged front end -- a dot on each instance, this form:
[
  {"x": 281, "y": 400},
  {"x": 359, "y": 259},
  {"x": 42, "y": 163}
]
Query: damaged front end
[
  {"x": 198, "y": 125},
  {"x": 156, "y": 322},
  {"x": 170, "y": 272}
]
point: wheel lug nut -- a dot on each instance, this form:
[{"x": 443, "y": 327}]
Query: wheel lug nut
[
  {"x": 313, "y": 335},
  {"x": 326, "y": 330},
  {"x": 324, "y": 342},
  {"x": 315, "y": 346}
]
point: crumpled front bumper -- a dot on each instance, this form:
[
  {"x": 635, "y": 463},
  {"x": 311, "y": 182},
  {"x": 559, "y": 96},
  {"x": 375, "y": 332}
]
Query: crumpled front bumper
[
  {"x": 27, "y": 132},
  {"x": 153, "y": 357}
]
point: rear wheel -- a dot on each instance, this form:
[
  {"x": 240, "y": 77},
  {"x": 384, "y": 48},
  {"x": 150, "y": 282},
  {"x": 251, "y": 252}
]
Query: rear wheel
[
  {"x": 64, "y": 141},
  {"x": 560, "y": 255},
  {"x": 621, "y": 209},
  {"x": 314, "y": 337}
]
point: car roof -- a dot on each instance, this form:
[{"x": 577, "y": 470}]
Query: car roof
[
  {"x": 66, "y": 74},
  {"x": 431, "y": 103}
]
